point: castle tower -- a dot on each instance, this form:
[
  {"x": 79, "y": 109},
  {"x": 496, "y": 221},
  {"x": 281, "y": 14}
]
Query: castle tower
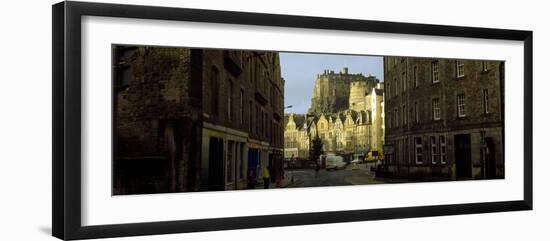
[
  {"x": 357, "y": 91},
  {"x": 332, "y": 94}
]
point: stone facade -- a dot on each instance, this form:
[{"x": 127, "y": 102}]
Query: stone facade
[
  {"x": 243, "y": 116},
  {"x": 195, "y": 119},
  {"x": 348, "y": 127},
  {"x": 331, "y": 93},
  {"x": 444, "y": 118},
  {"x": 157, "y": 120}
]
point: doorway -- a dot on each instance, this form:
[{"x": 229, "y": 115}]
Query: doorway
[
  {"x": 463, "y": 156},
  {"x": 216, "y": 178},
  {"x": 490, "y": 158}
]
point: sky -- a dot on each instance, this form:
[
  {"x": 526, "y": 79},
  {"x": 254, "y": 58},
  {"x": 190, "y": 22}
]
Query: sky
[{"x": 300, "y": 70}]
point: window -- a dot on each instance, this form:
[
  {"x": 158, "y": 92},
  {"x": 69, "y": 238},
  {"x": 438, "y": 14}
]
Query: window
[
  {"x": 269, "y": 92},
  {"x": 214, "y": 85},
  {"x": 484, "y": 66},
  {"x": 251, "y": 69},
  {"x": 434, "y": 149},
  {"x": 266, "y": 83},
  {"x": 250, "y": 115},
  {"x": 435, "y": 72},
  {"x": 122, "y": 67},
  {"x": 270, "y": 130},
  {"x": 242, "y": 166},
  {"x": 258, "y": 119},
  {"x": 404, "y": 79},
  {"x": 461, "y": 106},
  {"x": 415, "y": 76},
  {"x": 259, "y": 78},
  {"x": 396, "y": 117},
  {"x": 241, "y": 106},
  {"x": 418, "y": 150},
  {"x": 404, "y": 115},
  {"x": 272, "y": 96},
  {"x": 394, "y": 91},
  {"x": 416, "y": 117},
  {"x": 265, "y": 124},
  {"x": 436, "y": 110},
  {"x": 229, "y": 100},
  {"x": 460, "y": 68},
  {"x": 261, "y": 124},
  {"x": 486, "y": 101},
  {"x": 123, "y": 75},
  {"x": 395, "y": 87},
  {"x": 230, "y": 161},
  {"x": 401, "y": 150},
  {"x": 406, "y": 154},
  {"x": 442, "y": 149}
]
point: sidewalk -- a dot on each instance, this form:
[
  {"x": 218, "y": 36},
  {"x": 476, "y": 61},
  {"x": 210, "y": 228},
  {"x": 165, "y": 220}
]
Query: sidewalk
[
  {"x": 364, "y": 179},
  {"x": 285, "y": 182}
]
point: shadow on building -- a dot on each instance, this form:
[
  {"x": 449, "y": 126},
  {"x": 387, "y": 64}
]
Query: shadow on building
[{"x": 194, "y": 119}]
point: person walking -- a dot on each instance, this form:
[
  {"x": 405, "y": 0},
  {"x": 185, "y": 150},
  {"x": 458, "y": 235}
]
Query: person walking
[{"x": 266, "y": 177}]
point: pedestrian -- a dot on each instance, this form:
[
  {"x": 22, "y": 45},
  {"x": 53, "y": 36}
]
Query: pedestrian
[{"x": 266, "y": 177}]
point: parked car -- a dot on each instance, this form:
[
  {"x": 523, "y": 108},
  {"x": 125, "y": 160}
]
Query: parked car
[
  {"x": 356, "y": 161},
  {"x": 334, "y": 162}
]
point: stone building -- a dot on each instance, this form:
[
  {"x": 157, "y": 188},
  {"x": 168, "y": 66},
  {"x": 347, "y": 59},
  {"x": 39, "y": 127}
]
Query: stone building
[
  {"x": 194, "y": 119},
  {"x": 347, "y": 127},
  {"x": 243, "y": 116},
  {"x": 444, "y": 118},
  {"x": 331, "y": 93},
  {"x": 374, "y": 103}
]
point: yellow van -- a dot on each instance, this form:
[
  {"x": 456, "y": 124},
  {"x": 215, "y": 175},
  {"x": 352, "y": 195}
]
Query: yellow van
[{"x": 374, "y": 155}]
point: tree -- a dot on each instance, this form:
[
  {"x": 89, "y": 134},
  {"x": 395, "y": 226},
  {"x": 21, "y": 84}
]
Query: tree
[{"x": 316, "y": 148}]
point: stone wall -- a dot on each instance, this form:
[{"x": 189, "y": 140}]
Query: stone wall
[
  {"x": 158, "y": 118},
  {"x": 412, "y": 90}
]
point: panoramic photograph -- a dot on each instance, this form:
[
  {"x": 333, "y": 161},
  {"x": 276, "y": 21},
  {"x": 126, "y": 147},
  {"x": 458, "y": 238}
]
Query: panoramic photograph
[{"x": 199, "y": 119}]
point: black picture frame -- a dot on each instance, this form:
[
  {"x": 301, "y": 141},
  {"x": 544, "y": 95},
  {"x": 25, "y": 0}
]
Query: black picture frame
[{"x": 66, "y": 47}]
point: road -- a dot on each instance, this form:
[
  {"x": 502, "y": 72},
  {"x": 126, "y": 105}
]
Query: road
[{"x": 345, "y": 176}]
